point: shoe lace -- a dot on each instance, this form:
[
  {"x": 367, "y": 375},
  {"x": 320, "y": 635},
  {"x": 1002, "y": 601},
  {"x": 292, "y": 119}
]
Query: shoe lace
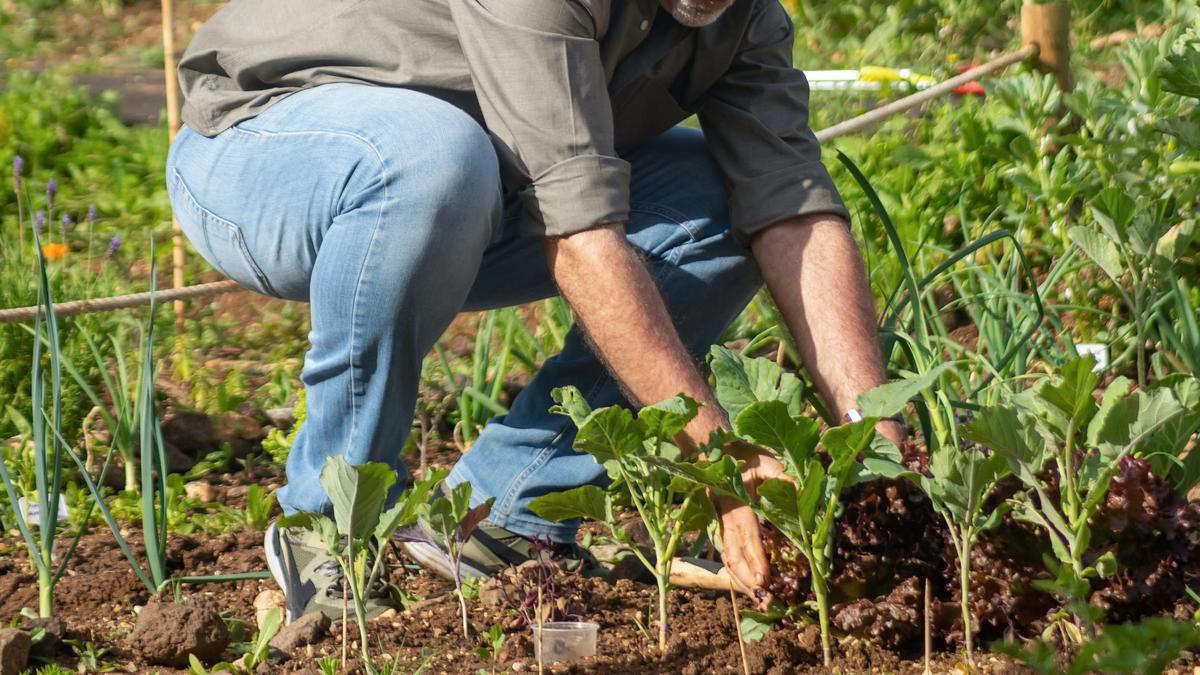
[{"x": 337, "y": 578}]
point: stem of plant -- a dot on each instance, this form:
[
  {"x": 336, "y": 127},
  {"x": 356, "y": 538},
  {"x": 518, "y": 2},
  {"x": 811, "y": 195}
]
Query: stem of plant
[
  {"x": 964, "y": 580},
  {"x": 131, "y": 480},
  {"x": 821, "y": 593},
  {"x": 45, "y": 591}
]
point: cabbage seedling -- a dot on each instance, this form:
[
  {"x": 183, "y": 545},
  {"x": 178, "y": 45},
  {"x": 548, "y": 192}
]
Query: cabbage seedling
[
  {"x": 452, "y": 519},
  {"x": 648, "y": 471},
  {"x": 360, "y": 527}
]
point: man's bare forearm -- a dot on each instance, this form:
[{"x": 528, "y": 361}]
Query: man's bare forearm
[
  {"x": 624, "y": 316},
  {"x": 814, "y": 271}
]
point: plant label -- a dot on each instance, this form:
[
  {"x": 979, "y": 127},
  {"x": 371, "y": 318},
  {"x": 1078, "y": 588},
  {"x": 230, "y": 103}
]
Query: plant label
[
  {"x": 1097, "y": 351},
  {"x": 33, "y": 514}
]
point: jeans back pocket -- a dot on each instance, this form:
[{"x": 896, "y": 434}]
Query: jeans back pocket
[{"x": 219, "y": 241}]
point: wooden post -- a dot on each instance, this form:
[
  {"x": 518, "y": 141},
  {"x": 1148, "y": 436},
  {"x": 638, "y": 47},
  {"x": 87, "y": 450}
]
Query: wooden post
[
  {"x": 170, "y": 77},
  {"x": 1049, "y": 27}
]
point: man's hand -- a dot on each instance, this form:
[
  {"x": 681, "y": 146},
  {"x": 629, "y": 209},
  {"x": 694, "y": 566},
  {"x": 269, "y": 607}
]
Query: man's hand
[{"x": 741, "y": 533}]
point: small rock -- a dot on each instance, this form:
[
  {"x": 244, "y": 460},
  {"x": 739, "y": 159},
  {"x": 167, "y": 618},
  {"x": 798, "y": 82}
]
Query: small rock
[
  {"x": 166, "y": 633},
  {"x": 14, "y": 651},
  {"x": 54, "y": 632},
  {"x": 266, "y": 601},
  {"x": 191, "y": 432},
  {"x": 233, "y": 426},
  {"x": 303, "y": 631},
  {"x": 282, "y": 418},
  {"x": 201, "y": 491},
  {"x": 178, "y": 461}
]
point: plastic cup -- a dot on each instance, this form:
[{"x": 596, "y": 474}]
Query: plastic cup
[{"x": 565, "y": 640}]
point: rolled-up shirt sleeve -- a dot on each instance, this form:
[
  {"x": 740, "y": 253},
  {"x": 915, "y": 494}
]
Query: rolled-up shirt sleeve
[
  {"x": 755, "y": 120},
  {"x": 537, "y": 72}
]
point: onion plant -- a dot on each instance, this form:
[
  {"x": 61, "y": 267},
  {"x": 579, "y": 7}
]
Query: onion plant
[{"x": 48, "y": 449}]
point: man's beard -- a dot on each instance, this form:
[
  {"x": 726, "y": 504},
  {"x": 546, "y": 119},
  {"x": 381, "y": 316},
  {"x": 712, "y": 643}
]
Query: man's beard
[{"x": 699, "y": 13}]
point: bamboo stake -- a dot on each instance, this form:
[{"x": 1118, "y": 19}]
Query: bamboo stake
[
  {"x": 172, "y": 85},
  {"x": 881, "y": 113}
]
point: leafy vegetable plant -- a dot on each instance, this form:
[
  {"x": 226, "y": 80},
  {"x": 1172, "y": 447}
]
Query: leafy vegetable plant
[
  {"x": 452, "y": 519},
  {"x": 360, "y": 526},
  {"x": 648, "y": 471},
  {"x": 957, "y": 484},
  {"x": 1066, "y": 447},
  {"x": 765, "y": 404}
]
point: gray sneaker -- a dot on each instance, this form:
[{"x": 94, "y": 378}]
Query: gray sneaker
[
  {"x": 490, "y": 549},
  {"x": 310, "y": 578}
]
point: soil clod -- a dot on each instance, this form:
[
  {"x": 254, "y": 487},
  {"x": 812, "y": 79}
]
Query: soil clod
[
  {"x": 166, "y": 633},
  {"x": 14, "y": 651}
]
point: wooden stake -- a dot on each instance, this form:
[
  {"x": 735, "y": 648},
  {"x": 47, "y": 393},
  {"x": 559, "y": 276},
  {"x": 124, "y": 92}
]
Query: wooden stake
[
  {"x": 1049, "y": 27},
  {"x": 737, "y": 622},
  {"x": 172, "y": 85},
  {"x": 928, "y": 630}
]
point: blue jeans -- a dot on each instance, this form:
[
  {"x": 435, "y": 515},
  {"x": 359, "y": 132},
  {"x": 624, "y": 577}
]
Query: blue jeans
[{"x": 382, "y": 208}]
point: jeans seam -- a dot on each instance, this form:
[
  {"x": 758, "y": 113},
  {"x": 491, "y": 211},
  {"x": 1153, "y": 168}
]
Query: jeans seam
[{"x": 679, "y": 219}]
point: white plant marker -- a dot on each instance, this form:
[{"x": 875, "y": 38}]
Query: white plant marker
[
  {"x": 1097, "y": 351},
  {"x": 33, "y": 512}
]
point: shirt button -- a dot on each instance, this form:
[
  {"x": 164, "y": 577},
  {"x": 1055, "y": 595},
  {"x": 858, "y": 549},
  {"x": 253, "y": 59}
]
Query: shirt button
[{"x": 645, "y": 24}]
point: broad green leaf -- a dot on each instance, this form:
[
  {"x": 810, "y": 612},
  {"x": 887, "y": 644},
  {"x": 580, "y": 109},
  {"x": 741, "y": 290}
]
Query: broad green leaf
[
  {"x": 358, "y": 494},
  {"x": 886, "y": 468},
  {"x": 722, "y": 476},
  {"x": 609, "y": 433},
  {"x": 844, "y": 443},
  {"x": 667, "y": 418},
  {"x": 777, "y": 502},
  {"x": 587, "y": 501},
  {"x": 1180, "y": 72},
  {"x": 1114, "y": 211},
  {"x": 1071, "y": 396},
  {"x": 1136, "y": 416},
  {"x": 1113, "y": 394},
  {"x": 891, "y": 398},
  {"x": 741, "y": 380},
  {"x": 407, "y": 508},
  {"x": 571, "y": 403},
  {"x": 472, "y": 518},
  {"x": 769, "y": 424},
  {"x": 755, "y": 625},
  {"x": 1001, "y": 430},
  {"x": 1099, "y": 249},
  {"x": 319, "y": 524},
  {"x": 698, "y": 515},
  {"x": 808, "y": 498}
]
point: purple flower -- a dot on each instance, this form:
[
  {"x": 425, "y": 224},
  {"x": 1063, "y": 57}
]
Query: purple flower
[
  {"x": 66, "y": 226},
  {"x": 51, "y": 191},
  {"x": 113, "y": 245},
  {"x": 91, "y": 214},
  {"x": 39, "y": 222},
  {"x": 18, "y": 171}
]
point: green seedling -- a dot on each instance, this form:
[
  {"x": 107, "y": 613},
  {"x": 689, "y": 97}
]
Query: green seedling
[
  {"x": 958, "y": 483},
  {"x": 490, "y": 651},
  {"x": 452, "y": 519},
  {"x": 360, "y": 527},
  {"x": 763, "y": 400},
  {"x": 1145, "y": 648},
  {"x": 260, "y": 504},
  {"x": 1061, "y": 420},
  {"x": 649, "y": 472}
]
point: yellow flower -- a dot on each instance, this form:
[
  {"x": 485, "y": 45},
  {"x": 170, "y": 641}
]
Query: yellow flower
[{"x": 54, "y": 251}]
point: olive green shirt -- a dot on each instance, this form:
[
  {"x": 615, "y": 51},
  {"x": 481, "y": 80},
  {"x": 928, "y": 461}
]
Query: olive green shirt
[{"x": 562, "y": 87}]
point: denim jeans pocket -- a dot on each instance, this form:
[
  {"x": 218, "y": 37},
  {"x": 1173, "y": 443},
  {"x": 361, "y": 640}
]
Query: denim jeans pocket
[{"x": 218, "y": 240}]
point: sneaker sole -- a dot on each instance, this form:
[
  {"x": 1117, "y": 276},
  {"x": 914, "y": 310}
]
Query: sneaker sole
[
  {"x": 275, "y": 563},
  {"x": 434, "y": 559}
]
